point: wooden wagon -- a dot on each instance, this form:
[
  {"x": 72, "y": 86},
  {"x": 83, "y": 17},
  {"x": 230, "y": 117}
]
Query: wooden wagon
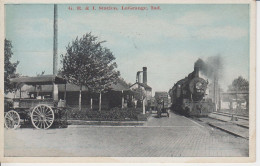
[
  {"x": 40, "y": 110},
  {"x": 162, "y": 103}
]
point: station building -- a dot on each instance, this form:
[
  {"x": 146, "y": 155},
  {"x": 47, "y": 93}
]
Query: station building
[{"x": 117, "y": 95}]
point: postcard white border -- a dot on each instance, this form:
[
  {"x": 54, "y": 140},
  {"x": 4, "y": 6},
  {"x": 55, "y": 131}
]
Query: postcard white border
[{"x": 252, "y": 97}]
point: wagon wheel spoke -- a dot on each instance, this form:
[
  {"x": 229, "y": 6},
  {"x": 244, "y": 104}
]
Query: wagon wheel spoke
[
  {"x": 12, "y": 119},
  {"x": 38, "y": 123},
  {"x": 41, "y": 111},
  {"x": 49, "y": 118},
  {"x": 38, "y": 111},
  {"x": 8, "y": 115},
  {"x": 44, "y": 124},
  {"x": 48, "y": 115},
  {"x": 42, "y": 116}
]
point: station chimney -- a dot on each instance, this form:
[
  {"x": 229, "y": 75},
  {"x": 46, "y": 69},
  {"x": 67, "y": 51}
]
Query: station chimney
[
  {"x": 55, "y": 41},
  {"x": 138, "y": 76},
  {"x": 145, "y": 75}
]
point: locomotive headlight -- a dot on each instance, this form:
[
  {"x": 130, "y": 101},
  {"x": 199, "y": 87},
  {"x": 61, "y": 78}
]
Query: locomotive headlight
[{"x": 198, "y": 85}]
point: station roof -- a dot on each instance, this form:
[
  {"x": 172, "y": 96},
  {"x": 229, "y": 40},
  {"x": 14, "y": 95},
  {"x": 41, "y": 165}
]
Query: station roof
[
  {"x": 146, "y": 87},
  {"x": 40, "y": 80},
  {"x": 119, "y": 86}
]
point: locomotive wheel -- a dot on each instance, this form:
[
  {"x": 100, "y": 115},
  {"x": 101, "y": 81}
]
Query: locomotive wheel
[
  {"x": 12, "y": 120},
  {"x": 42, "y": 116}
]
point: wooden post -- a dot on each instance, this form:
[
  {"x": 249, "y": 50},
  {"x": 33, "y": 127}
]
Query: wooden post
[
  {"x": 100, "y": 101},
  {"x": 123, "y": 99},
  {"x": 80, "y": 97},
  {"x": 65, "y": 92},
  {"x": 20, "y": 92},
  {"x": 219, "y": 99},
  {"x": 37, "y": 94},
  {"x": 236, "y": 103},
  {"x": 91, "y": 103},
  {"x": 15, "y": 93},
  {"x": 214, "y": 92},
  {"x": 55, "y": 92},
  {"x": 143, "y": 105}
]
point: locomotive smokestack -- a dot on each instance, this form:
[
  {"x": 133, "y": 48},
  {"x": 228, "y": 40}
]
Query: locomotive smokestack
[
  {"x": 55, "y": 41},
  {"x": 197, "y": 66},
  {"x": 145, "y": 75},
  {"x": 196, "y": 71}
]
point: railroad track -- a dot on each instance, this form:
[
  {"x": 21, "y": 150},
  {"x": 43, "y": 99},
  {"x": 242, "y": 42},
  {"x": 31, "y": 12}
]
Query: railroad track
[
  {"x": 230, "y": 115},
  {"x": 236, "y": 128}
]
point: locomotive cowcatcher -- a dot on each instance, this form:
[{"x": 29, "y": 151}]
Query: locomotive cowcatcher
[
  {"x": 188, "y": 95},
  {"x": 43, "y": 112}
]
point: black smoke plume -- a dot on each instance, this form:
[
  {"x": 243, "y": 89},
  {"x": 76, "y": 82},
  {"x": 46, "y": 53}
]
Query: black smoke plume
[{"x": 212, "y": 67}]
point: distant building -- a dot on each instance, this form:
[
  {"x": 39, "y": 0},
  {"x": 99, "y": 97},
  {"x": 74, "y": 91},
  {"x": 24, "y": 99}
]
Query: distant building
[
  {"x": 142, "y": 89},
  {"x": 234, "y": 100}
]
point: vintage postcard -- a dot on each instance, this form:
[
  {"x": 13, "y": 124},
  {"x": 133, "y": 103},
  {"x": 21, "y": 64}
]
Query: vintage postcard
[{"x": 120, "y": 81}]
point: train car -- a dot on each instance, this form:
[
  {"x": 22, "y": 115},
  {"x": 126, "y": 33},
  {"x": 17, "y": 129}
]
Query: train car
[{"x": 188, "y": 95}]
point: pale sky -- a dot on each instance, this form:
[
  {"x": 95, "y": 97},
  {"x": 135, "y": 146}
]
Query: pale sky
[{"x": 167, "y": 42}]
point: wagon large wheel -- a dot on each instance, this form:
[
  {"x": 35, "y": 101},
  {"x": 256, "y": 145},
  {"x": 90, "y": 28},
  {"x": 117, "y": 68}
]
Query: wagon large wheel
[
  {"x": 42, "y": 116},
  {"x": 12, "y": 119}
]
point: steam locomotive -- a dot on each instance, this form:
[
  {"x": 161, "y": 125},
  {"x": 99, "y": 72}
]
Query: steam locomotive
[{"x": 188, "y": 95}]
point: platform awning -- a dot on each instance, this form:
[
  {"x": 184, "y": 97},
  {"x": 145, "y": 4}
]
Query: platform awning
[{"x": 39, "y": 80}]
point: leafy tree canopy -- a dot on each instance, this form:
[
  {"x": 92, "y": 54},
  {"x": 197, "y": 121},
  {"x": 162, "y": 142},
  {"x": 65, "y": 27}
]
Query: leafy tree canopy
[
  {"x": 239, "y": 84},
  {"x": 10, "y": 68},
  {"x": 90, "y": 64}
]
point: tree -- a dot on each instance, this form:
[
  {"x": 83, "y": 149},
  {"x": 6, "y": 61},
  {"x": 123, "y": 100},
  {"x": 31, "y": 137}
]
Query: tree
[
  {"x": 107, "y": 73},
  {"x": 89, "y": 64},
  {"x": 239, "y": 84},
  {"x": 10, "y": 68}
]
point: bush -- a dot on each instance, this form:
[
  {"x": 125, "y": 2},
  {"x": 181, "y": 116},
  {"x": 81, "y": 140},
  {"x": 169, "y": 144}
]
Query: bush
[
  {"x": 106, "y": 115},
  {"x": 76, "y": 114}
]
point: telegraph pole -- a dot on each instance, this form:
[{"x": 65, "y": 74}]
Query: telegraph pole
[
  {"x": 55, "y": 52},
  {"x": 55, "y": 41}
]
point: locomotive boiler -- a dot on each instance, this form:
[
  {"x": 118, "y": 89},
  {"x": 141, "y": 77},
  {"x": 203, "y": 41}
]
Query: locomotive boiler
[{"x": 188, "y": 95}]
